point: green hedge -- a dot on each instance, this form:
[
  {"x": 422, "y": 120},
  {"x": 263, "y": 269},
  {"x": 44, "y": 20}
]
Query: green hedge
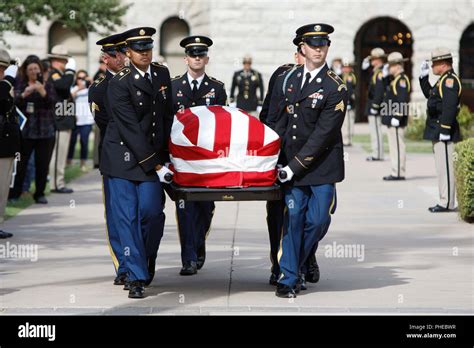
[{"x": 464, "y": 172}]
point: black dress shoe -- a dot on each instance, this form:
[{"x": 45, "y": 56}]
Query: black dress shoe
[
  {"x": 151, "y": 270},
  {"x": 201, "y": 256},
  {"x": 371, "y": 158},
  {"x": 301, "y": 284},
  {"x": 120, "y": 279},
  {"x": 273, "y": 279},
  {"x": 285, "y": 291},
  {"x": 189, "y": 268},
  {"x": 126, "y": 285},
  {"x": 393, "y": 178},
  {"x": 439, "y": 209},
  {"x": 4, "y": 235},
  {"x": 312, "y": 275},
  {"x": 137, "y": 289},
  {"x": 63, "y": 190},
  {"x": 41, "y": 200}
]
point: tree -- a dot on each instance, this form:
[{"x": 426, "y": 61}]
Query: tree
[{"x": 92, "y": 15}]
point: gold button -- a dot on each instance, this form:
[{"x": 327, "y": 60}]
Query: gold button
[
  {"x": 153, "y": 134},
  {"x": 294, "y": 126},
  {"x": 194, "y": 103},
  {"x": 141, "y": 103},
  {"x": 294, "y": 137},
  {"x": 295, "y": 115},
  {"x": 154, "y": 124},
  {"x": 297, "y": 104},
  {"x": 154, "y": 102},
  {"x": 154, "y": 113},
  {"x": 121, "y": 143}
]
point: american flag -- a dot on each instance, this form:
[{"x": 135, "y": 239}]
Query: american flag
[{"x": 219, "y": 146}]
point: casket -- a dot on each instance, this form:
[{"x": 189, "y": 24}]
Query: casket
[{"x": 222, "y": 153}]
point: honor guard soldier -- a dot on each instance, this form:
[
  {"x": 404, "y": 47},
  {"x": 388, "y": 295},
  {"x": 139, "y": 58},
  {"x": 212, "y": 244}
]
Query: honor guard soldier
[
  {"x": 375, "y": 98},
  {"x": 113, "y": 56},
  {"x": 442, "y": 127},
  {"x": 308, "y": 112},
  {"x": 275, "y": 209},
  {"x": 63, "y": 70},
  {"x": 350, "y": 81},
  {"x": 195, "y": 88},
  {"x": 9, "y": 131},
  {"x": 248, "y": 81},
  {"x": 133, "y": 154},
  {"x": 395, "y": 114}
]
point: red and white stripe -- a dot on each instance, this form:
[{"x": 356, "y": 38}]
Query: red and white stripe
[{"x": 219, "y": 146}]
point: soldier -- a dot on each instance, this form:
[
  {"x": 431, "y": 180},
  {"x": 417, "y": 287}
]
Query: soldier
[
  {"x": 308, "y": 112},
  {"x": 63, "y": 69},
  {"x": 275, "y": 209},
  {"x": 350, "y": 81},
  {"x": 195, "y": 88},
  {"x": 133, "y": 154},
  {"x": 336, "y": 66},
  {"x": 113, "y": 56},
  {"x": 442, "y": 127},
  {"x": 247, "y": 81},
  {"x": 375, "y": 98},
  {"x": 9, "y": 132},
  {"x": 394, "y": 113}
]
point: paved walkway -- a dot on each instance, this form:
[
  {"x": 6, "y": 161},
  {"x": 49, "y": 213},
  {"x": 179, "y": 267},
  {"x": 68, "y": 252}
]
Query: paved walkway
[{"x": 409, "y": 260}]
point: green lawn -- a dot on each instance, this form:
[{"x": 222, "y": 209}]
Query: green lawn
[
  {"x": 411, "y": 145},
  {"x": 72, "y": 172}
]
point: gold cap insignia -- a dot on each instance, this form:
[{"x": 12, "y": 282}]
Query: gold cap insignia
[
  {"x": 142, "y": 32},
  {"x": 198, "y": 39},
  {"x": 317, "y": 28}
]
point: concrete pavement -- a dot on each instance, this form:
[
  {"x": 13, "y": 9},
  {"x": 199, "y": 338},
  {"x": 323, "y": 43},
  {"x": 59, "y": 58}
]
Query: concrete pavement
[{"x": 384, "y": 253}]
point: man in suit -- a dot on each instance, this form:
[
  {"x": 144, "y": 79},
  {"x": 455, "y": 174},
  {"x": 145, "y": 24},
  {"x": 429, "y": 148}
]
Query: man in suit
[
  {"x": 247, "y": 81},
  {"x": 134, "y": 152},
  {"x": 113, "y": 55},
  {"x": 394, "y": 113},
  {"x": 195, "y": 88},
  {"x": 442, "y": 127},
  {"x": 307, "y": 113}
]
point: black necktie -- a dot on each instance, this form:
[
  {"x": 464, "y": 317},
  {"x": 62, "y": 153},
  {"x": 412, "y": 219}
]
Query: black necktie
[
  {"x": 195, "y": 88},
  {"x": 306, "y": 81},
  {"x": 147, "y": 77}
]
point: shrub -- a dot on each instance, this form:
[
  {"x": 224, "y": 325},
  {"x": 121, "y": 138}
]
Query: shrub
[{"x": 464, "y": 173}]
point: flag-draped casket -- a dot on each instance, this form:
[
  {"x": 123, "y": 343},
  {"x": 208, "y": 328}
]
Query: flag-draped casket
[{"x": 219, "y": 146}]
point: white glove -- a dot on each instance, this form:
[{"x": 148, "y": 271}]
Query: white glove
[
  {"x": 259, "y": 109},
  {"x": 233, "y": 105},
  {"x": 161, "y": 174},
  {"x": 424, "y": 69},
  {"x": 366, "y": 63},
  {"x": 394, "y": 122},
  {"x": 289, "y": 174},
  {"x": 11, "y": 71},
  {"x": 71, "y": 64},
  {"x": 385, "y": 70},
  {"x": 373, "y": 112},
  {"x": 444, "y": 137}
]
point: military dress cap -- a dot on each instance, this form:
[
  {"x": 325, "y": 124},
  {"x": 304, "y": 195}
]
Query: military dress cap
[
  {"x": 139, "y": 39},
  {"x": 377, "y": 52},
  {"x": 59, "y": 52},
  {"x": 315, "y": 34},
  {"x": 346, "y": 63},
  {"x": 196, "y": 45},
  {"x": 441, "y": 53},
  {"x": 396, "y": 58},
  {"x": 113, "y": 43},
  {"x": 247, "y": 59},
  {"x": 297, "y": 40},
  {"x": 5, "y": 59}
]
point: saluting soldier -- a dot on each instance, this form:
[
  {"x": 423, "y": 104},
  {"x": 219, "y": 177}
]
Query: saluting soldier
[
  {"x": 275, "y": 209},
  {"x": 195, "y": 88},
  {"x": 395, "y": 114},
  {"x": 350, "y": 81},
  {"x": 113, "y": 56},
  {"x": 248, "y": 81},
  {"x": 375, "y": 99},
  {"x": 442, "y": 127},
  {"x": 308, "y": 112},
  {"x": 133, "y": 154}
]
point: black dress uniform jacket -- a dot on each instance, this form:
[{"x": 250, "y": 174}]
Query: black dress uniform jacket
[
  {"x": 62, "y": 83},
  {"x": 136, "y": 138},
  {"x": 10, "y": 134},
  {"x": 376, "y": 92},
  {"x": 443, "y": 106},
  {"x": 210, "y": 92},
  {"x": 98, "y": 102},
  {"x": 247, "y": 83},
  {"x": 397, "y": 96},
  {"x": 266, "y": 102},
  {"x": 309, "y": 123}
]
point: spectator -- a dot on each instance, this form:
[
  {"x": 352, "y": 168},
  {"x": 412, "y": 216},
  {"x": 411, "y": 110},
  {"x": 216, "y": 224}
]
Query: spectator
[
  {"x": 34, "y": 99},
  {"x": 84, "y": 118}
]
